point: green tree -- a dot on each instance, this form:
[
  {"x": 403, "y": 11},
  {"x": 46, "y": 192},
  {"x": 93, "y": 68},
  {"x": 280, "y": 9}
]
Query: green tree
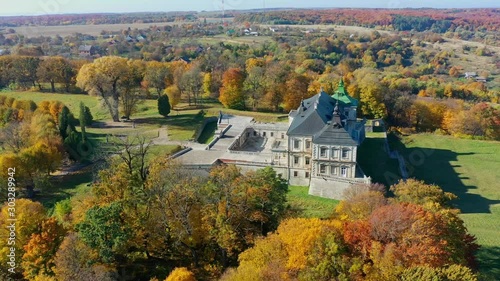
[
  {"x": 103, "y": 230},
  {"x": 83, "y": 121},
  {"x": 164, "y": 105},
  {"x": 64, "y": 122}
]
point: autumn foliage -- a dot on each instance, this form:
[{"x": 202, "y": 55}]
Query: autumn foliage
[{"x": 413, "y": 234}]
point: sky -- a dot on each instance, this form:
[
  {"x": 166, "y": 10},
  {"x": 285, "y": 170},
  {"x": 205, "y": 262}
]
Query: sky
[{"x": 43, "y": 7}]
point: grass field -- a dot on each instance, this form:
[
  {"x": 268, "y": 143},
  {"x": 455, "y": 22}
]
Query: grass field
[
  {"x": 250, "y": 40},
  {"x": 470, "y": 170},
  {"x": 208, "y": 133},
  {"x": 308, "y": 206},
  {"x": 91, "y": 29}
]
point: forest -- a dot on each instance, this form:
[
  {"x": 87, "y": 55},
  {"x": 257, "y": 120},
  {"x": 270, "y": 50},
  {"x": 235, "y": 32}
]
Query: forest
[{"x": 143, "y": 217}]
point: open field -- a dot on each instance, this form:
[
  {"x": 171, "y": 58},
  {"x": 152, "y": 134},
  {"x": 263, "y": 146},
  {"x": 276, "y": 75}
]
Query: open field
[
  {"x": 91, "y": 29},
  {"x": 469, "y": 169},
  {"x": 329, "y": 27},
  {"x": 250, "y": 40},
  {"x": 469, "y": 61},
  {"x": 308, "y": 206}
]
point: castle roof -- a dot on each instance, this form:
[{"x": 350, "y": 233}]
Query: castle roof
[
  {"x": 312, "y": 115},
  {"x": 343, "y": 97},
  {"x": 334, "y": 133}
]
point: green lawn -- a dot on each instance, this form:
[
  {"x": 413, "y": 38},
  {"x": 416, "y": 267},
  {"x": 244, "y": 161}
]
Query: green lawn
[
  {"x": 208, "y": 133},
  {"x": 161, "y": 151},
  {"x": 66, "y": 186},
  {"x": 308, "y": 206},
  {"x": 469, "y": 169}
]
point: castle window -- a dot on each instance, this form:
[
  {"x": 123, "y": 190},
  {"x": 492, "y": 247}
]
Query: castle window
[
  {"x": 334, "y": 170},
  {"x": 308, "y": 144},
  {"x": 296, "y": 159},
  {"x": 343, "y": 171},
  {"x": 322, "y": 169},
  {"x": 264, "y": 134},
  {"x": 307, "y": 175},
  {"x": 308, "y": 160},
  {"x": 323, "y": 151},
  {"x": 296, "y": 144},
  {"x": 272, "y": 134},
  {"x": 345, "y": 153},
  {"x": 295, "y": 173},
  {"x": 335, "y": 152}
]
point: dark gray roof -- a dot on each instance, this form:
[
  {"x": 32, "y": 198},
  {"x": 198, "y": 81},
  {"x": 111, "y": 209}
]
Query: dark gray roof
[
  {"x": 312, "y": 115},
  {"x": 87, "y": 48},
  {"x": 334, "y": 134}
]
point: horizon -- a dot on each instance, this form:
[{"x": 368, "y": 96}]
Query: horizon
[{"x": 62, "y": 7}]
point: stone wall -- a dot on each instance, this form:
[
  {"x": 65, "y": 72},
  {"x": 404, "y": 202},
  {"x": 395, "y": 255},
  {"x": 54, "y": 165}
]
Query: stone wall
[{"x": 333, "y": 189}]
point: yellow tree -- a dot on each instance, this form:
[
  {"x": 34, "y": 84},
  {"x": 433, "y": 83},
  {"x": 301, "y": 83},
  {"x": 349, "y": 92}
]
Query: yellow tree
[
  {"x": 72, "y": 262},
  {"x": 157, "y": 76},
  {"x": 101, "y": 78},
  {"x": 174, "y": 95},
  {"x": 371, "y": 93},
  {"x": 181, "y": 274},
  {"x": 29, "y": 216}
]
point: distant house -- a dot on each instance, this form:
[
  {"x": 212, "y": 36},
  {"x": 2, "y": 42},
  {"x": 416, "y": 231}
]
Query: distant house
[
  {"x": 481, "y": 79},
  {"x": 129, "y": 38},
  {"x": 470, "y": 75},
  {"x": 184, "y": 59},
  {"x": 200, "y": 49},
  {"x": 140, "y": 38},
  {"x": 86, "y": 50},
  {"x": 3, "y": 52}
]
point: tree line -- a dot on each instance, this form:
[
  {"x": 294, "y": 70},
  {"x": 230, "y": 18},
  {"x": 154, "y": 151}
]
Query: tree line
[{"x": 439, "y": 20}]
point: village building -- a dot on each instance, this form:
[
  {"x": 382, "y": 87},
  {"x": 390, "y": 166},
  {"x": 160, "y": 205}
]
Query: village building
[{"x": 86, "y": 50}]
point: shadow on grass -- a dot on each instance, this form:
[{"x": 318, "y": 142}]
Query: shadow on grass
[
  {"x": 63, "y": 187},
  {"x": 182, "y": 120},
  {"x": 434, "y": 166},
  {"x": 376, "y": 163}
]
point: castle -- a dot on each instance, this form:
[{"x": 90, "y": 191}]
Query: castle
[{"x": 316, "y": 148}]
